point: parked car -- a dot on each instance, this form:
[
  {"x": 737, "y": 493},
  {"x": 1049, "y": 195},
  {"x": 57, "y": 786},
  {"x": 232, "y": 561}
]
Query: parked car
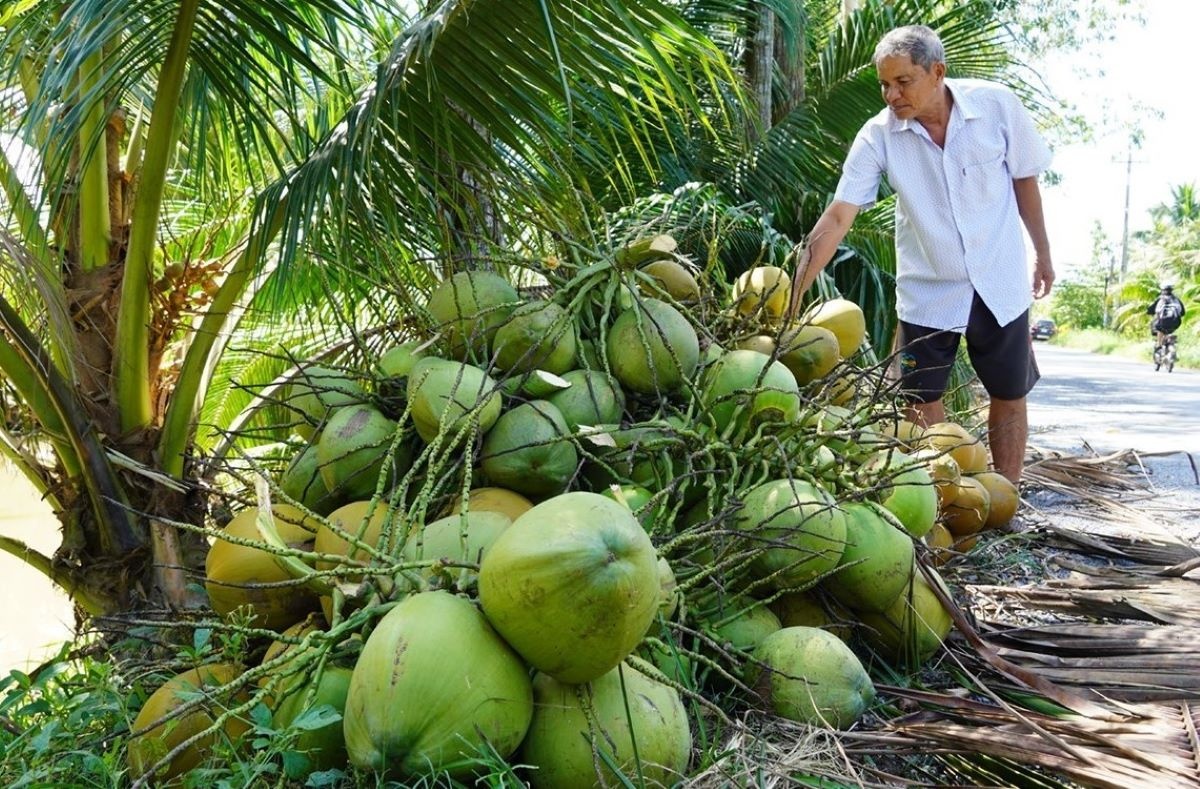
[{"x": 1043, "y": 329}]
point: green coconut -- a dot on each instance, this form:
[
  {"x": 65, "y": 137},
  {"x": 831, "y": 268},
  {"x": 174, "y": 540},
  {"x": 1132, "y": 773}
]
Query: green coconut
[
  {"x": 303, "y": 483},
  {"x": 905, "y": 488},
  {"x": 157, "y": 738},
  {"x": 751, "y": 387},
  {"x": 877, "y": 563},
  {"x": 316, "y": 391},
  {"x": 670, "y": 595},
  {"x": 443, "y": 393},
  {"x": 460, "y": 538},
  {"x": 469, "y": 308},
  {"x": 238, "y": 575},
  {"x": 533, "y": 385},
  {"x": 797, "y": 529},
  {"x": 573, "y": 585},
  {"x": 676, "y": 664},
  {"x": 434, "y": 685},
  {"x": 528, "y": 450},
  {"x": 354, "y": 449},
  {"x": 318, "y": 714},
  {"x": 593, "y": 398},
  {"x": 743, "y": 623},
  {"x": 913, "y": 626},
  {"x": 537, "y": 336},
  {"x": 640, "y": 502},
  {"x": 809, "y": 675},
  {"x": 622, "y": 718},
  {"x": 393, "y": 366},
  {"x": 652, "y": 348}
]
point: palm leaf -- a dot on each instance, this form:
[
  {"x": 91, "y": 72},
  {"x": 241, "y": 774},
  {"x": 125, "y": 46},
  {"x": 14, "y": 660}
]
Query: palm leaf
[{"x": 467, "y": 89}]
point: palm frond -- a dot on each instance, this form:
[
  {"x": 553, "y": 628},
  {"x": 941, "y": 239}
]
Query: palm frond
[{"x": 468, "y": 89}]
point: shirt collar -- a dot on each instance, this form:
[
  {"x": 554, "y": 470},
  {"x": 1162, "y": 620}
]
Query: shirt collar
[{"x": 962, "y": 103}]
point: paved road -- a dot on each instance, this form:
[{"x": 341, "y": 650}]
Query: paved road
[{"x": 1113, "y": 404}]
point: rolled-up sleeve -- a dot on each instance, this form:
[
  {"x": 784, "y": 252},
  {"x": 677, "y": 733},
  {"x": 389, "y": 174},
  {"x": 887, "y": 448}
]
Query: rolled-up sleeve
[
  {"x": 861, "y": 173},
  {"x": 1028, "y": 154}
]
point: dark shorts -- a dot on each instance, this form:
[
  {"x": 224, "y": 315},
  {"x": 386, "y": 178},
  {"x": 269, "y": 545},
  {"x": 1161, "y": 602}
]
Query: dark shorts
[
  {"x": 1166, "y": 325},
  {"x": 1001, "y": 355}
]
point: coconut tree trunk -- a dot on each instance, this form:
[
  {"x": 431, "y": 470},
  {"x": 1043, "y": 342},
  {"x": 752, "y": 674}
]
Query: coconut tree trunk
[
  {"x": 789, "y": 64},
  {"x": 760, "y": 56}
]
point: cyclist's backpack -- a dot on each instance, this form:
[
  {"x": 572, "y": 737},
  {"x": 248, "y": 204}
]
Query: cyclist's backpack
[{"x": 1168, "y": 310}]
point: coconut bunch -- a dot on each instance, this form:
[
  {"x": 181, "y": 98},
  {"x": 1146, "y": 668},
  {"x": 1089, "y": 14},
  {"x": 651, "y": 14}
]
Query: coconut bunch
[{"x": 538, "y": 528}]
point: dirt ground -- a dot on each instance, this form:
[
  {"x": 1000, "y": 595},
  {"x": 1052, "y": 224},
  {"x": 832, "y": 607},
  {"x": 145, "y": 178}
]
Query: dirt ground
[{"x": 35, "y": 618}]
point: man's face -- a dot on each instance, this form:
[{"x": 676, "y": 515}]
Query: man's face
[{"x": 909, "y": 90}]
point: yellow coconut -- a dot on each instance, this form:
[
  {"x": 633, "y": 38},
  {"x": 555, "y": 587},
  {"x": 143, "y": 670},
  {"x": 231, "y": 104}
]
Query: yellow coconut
[
  {"x": 238, "y": 575},
  {"x": 764, "y": 290},
  {"x": 907, "y": 434},
  {"x": 941, "y": 544},
  {"x": 841, "y": 390},
  {"x": 944, "y": 546},
  {"x": 968, "y": 512},
  {"x": 673, "y": 278},
  {"x": 500, "y": 500},
  {"x": 1003, "y": 497},
  {"x": 944, "y": 471},
  {"x": 762, "y": 343},
  {"x": 810, "y": 352},
  {"x": 845, "y": 319},
  {"x": 352, "y": 519},
  {"x": 967, "y": 450},
  {"x": 158, "y": 738}
]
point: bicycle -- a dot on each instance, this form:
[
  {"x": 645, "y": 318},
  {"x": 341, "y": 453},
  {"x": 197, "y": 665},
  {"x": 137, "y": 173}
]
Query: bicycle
[{"x": 1165, "y": 353}]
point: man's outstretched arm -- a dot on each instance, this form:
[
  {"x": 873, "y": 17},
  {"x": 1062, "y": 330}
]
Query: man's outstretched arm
[{"x": 821, "y": 245}]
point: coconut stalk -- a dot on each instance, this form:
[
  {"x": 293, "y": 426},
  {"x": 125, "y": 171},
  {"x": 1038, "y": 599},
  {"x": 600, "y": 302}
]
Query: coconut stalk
[
  {"x": 95, "y": 229},
  {"x": 131, "y": 348}
]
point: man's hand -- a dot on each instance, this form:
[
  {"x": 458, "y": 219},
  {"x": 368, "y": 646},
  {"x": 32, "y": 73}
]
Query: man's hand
[{"x": 1043, "y": 277}]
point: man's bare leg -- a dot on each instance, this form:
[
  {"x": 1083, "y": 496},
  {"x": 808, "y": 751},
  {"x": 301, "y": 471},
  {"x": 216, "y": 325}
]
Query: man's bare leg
[
  {"x": 1008, "y": 430},
  {"x": 926, "y": 414}
]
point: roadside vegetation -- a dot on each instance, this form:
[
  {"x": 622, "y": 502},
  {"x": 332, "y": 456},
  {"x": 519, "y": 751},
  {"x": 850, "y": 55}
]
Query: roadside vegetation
[{"x": 1101, "y": 310}]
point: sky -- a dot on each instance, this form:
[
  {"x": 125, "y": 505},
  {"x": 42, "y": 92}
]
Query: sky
[{"x": 1144, "y": 71}]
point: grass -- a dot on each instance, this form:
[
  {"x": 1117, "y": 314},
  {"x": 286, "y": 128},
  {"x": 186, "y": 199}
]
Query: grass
[{"x": 1110, "y": 343}]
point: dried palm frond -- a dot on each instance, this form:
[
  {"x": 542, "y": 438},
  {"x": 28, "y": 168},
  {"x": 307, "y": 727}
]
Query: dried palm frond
[
  {"x": 1127, "y": 662},
  {"x": 1141, "y": 549},
  {"x": 1155, "y": 749},
  {"x": 1111, "y": 593}
]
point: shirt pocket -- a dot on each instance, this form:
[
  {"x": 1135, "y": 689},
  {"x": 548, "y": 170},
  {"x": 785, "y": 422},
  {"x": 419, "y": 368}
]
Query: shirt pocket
[{"x": 986, "y": 184}]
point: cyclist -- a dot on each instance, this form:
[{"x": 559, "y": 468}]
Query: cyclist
[{"x": 1168, "y": 313}]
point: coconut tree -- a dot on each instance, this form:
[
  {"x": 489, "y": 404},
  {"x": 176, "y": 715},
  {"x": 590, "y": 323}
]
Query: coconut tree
[
  {"x": 204, "y": 168},
  {"x": 810, "y": 85}
]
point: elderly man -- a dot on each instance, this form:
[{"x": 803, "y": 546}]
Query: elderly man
[{"x": 963, "y": 157}]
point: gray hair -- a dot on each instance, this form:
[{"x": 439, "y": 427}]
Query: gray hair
[{"x": 918, "y": 42}]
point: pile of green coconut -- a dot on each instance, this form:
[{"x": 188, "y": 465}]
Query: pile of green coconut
[{"x": 560, "y": 529}]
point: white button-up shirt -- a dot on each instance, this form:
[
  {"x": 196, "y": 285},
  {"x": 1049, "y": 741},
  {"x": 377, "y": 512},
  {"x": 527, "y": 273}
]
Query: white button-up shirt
[{"x": 957, "y": 227}]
